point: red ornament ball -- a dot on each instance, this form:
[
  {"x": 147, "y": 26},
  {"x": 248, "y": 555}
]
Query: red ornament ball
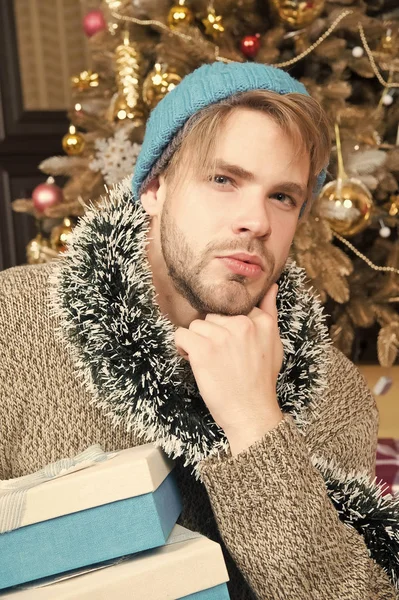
[
  {"x": 93, "y": 22},
  {"x": 46, "y": 195},
  {"x": 250, "y": 45}
]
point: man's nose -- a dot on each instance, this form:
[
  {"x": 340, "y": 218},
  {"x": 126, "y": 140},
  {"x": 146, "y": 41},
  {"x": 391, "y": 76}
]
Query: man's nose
[{"x": 253, "y": 217}]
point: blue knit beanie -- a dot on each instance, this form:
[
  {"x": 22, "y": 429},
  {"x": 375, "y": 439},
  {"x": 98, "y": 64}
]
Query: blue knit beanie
[{"x": 207, "y": 85}]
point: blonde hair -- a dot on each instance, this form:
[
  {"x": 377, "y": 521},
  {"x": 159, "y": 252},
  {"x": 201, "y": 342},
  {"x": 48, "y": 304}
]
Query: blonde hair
[{"x": 193, "y": 149}]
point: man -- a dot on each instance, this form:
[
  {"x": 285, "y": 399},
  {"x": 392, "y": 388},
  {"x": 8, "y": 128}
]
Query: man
[{"x": 189, "y": 327}]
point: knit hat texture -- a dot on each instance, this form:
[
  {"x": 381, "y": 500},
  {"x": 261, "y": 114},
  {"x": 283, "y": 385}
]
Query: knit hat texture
[{"x": 209, "y": 84}]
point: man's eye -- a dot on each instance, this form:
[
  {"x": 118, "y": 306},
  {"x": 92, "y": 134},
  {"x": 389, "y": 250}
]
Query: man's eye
[
  {"x": 222, "y": 180},
  {"x": 284, "y": 198}
]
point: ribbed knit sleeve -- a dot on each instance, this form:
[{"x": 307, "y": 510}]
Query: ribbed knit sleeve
[{"x": 277, "y": 521}]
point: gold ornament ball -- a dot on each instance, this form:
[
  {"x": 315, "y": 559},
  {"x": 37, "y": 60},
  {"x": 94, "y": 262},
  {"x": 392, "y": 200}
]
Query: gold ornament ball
[
  {"x": 60, "y": 235},
  {"x": 158, "y": 83},
  {"x": 297, "y": 14},
  {"x": 73, "y": 142},
  {"x": 348, "y": 210},
  {"x": 180, "y": 14},
  {"x": 34, "y": 249}
]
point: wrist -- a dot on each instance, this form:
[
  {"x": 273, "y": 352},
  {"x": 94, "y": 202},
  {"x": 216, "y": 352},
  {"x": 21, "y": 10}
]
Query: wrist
[{"x": 248, "y": 435}]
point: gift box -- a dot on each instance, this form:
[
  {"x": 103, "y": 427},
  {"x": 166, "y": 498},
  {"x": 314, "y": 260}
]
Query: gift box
[
  {"x": 86, "y": 510},
  {"x": 387, "y": 464},
  {"x": 189, "y": 566}
]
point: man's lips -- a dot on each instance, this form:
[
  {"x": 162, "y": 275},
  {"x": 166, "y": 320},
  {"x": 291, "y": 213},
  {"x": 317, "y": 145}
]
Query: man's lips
[
  {"x": 243, "y": 264},
  {"x": 252, "y": 259}
]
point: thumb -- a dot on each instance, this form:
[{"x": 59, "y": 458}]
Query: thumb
[{"x": 268, "y": 302}]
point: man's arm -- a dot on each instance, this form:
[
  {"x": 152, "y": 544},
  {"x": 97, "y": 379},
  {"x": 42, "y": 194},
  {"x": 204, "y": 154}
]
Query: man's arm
[{"x": 273, "y": 511}]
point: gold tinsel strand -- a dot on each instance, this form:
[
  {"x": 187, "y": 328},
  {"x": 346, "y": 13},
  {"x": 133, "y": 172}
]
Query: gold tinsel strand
[{"x": 363, "y": 257}]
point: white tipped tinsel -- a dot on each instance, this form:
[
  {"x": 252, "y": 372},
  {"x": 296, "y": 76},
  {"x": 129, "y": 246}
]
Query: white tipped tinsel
[
  {"x": 124, "y": 347},
  {"x": 363, "y": 504}
]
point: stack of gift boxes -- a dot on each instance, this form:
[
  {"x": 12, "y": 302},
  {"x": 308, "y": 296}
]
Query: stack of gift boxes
[{"x": 104, "y": 528}]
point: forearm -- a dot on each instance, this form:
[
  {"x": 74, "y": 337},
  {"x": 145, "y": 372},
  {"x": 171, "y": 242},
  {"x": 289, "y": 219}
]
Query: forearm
[{"x": 281, "y": 528}]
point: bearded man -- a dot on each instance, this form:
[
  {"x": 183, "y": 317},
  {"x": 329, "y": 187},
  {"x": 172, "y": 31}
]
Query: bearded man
[{"x": 183, "y": 322}]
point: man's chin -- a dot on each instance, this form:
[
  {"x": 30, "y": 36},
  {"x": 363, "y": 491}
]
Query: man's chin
[{"x": 228, "y": 303}]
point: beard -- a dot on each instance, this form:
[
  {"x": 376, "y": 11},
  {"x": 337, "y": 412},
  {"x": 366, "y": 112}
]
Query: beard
[{"x": 230, "y": 297}]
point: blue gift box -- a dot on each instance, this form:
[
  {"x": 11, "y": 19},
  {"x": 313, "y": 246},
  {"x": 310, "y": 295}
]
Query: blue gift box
[
  {"x": 188, "y": 567},
  {"x": 120, "y": 506}
]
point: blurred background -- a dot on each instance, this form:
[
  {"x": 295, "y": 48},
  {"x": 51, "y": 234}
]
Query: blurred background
[{"x": 78, "y": 80}]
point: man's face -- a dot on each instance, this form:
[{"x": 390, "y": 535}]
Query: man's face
[{"x": 250, "y": 206}]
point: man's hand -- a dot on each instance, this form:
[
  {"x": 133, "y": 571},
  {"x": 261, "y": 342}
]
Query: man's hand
[{"x": 236, "y": 361}]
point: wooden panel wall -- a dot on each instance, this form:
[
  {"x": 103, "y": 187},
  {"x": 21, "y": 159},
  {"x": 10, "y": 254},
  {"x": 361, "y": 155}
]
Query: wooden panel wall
[{"x": 26, "y": 138}]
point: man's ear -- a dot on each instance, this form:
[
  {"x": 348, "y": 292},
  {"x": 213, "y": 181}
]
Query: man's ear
[{"x": 153, "y": 197}]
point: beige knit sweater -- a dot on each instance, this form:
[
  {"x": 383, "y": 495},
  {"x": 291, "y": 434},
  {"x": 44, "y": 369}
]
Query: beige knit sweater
[{"x": 268, "y": 507}]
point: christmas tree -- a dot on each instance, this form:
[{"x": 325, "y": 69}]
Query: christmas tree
[{"x": 346, "y": 52}]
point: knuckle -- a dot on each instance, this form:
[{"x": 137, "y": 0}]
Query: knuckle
[
  {"x": 268, "y": 320},
  {"x": 195, "y": 325},
  {"x": 243, "y": 323}
]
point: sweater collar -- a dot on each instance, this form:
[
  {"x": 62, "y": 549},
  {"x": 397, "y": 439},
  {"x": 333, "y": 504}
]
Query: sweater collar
[{"x": 123, "y": 347}]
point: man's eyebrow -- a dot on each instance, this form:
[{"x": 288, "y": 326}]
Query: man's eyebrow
[
  {"x": 285, "y": 186},
  {"x": 235, "y": 170}
]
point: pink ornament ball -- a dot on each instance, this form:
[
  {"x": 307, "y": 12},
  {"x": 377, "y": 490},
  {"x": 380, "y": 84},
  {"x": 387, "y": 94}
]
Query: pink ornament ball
[
  {"x": 46, "y": 195},
  {"x": 93, "y": 22}
]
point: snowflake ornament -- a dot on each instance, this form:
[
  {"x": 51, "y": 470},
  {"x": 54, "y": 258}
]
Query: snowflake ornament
[{"x": 115, "y": 157}]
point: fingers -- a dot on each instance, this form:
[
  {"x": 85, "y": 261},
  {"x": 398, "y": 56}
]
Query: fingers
[
  {"x": 184, "y": 342},
  {"x": 217, "y": 319},
  {"x": 268, "y": 304},
  {"x": 217, "y": 328},
  {"x": 193, "y": 342},
  {"x": 182, "y": 353},
  {"x": 210, "y": 328},
  {"x": 240, "y": 324}
]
